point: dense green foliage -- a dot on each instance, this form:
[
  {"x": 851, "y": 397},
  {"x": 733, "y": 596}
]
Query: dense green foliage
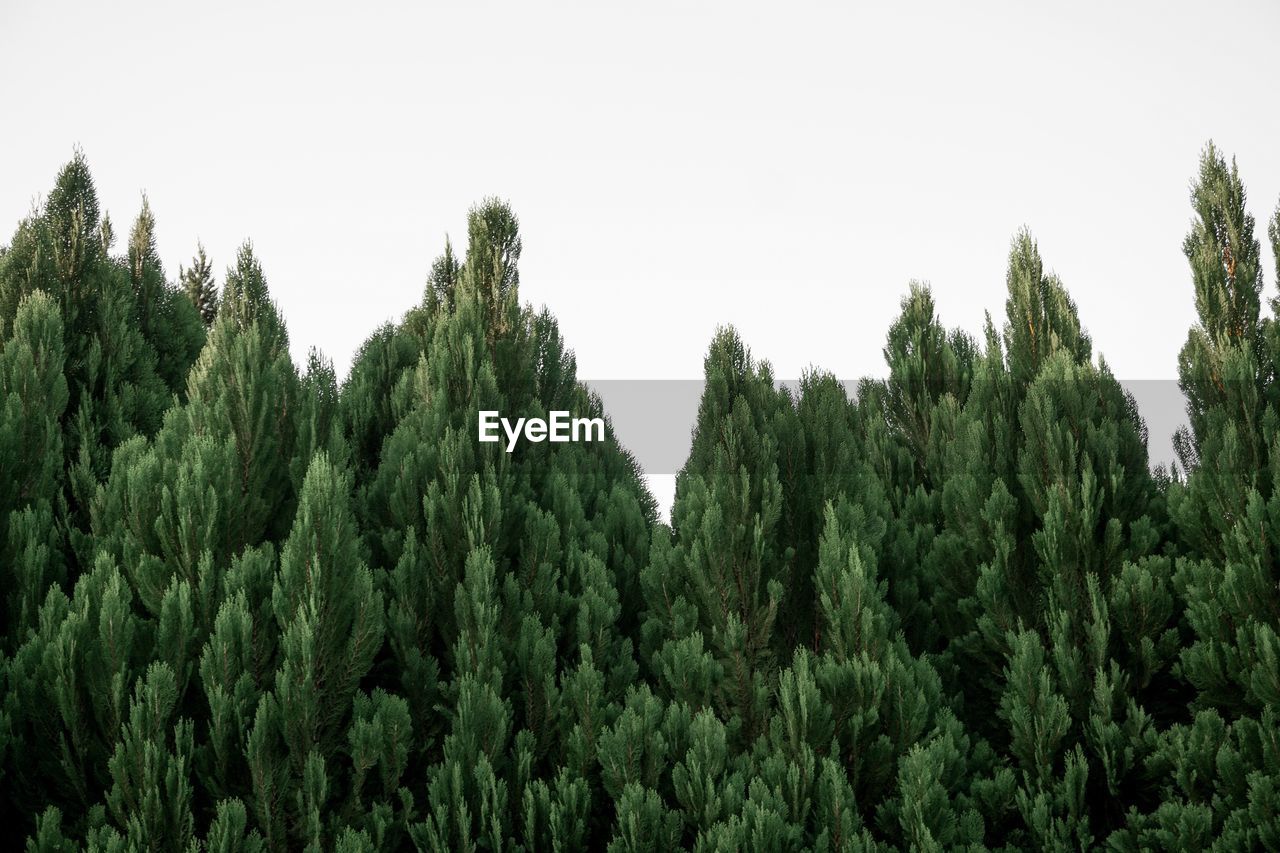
[{"x": 248, "y": 607}]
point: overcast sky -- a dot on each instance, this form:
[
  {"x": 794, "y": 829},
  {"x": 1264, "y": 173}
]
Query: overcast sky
[{"x": 787, "y": 168}]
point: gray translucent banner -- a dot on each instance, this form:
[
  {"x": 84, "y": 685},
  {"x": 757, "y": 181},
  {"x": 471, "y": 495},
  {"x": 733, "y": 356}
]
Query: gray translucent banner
[{"x": 654, "y": 418}]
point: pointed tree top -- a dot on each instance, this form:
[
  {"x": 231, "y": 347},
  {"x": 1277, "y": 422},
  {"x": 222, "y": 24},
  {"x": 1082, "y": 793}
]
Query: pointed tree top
[
  {"x": 1224, "y": 254},
  {"x": 142, "y": 242},
  {"x": 493, "y": 252},
  {"x": 442, "y": 281},
  {"x": 73, "y": 190},
  {"x": 72, "y": 215},
  {"x": 245, "y": 298},
  {"x": 197, "y": 282},
  {"x": 1041, "y": 316}
]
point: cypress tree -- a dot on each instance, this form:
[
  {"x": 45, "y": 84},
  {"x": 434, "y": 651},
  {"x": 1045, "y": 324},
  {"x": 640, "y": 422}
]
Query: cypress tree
[
  {"x": 722, "y": 576},
  {"x": 151, "y": 793},
  {"x": 114, "y": 390},
  {"x": 910, "y": 423},
  {"x": 564, "y": 527},
  {"x": 216, "y": 479},
  {"x": 1026, "y": 528},
  {"x": 883, "y": 701},
  {"x": 1221, "y": 768},
  {"x": 69, "y": 686},
  {"x": 33, "y": 396},
  {"x": 144, "y": 269},
  {"x": 167, "y": 320},
  {"x": 365, "y": 404},
  {"x": 198, "y": 285},
  {"x": 252, "y": 608},
  {"x": 330, "y": 622}
]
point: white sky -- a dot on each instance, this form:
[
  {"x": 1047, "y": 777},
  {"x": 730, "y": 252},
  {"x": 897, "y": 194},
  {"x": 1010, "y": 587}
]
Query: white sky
[{"x": 787, "y": 168}]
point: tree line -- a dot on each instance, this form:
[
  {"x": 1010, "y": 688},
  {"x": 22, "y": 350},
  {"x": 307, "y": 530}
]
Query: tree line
[{"x": 248, "y": 607}]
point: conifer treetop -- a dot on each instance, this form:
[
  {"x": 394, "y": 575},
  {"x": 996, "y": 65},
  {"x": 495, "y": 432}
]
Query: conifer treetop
[{"x": 1223, "y": 251}]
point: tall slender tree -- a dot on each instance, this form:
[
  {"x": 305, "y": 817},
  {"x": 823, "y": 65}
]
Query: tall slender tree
[
  {"x": 199, "y": 286},
  {"x": 33, "y": 397},
  {"x": 1223, "y": 768}
]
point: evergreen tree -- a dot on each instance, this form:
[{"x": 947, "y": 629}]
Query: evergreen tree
[
  {"x": 883, "y": 702},
  {"x": 721, "y": 578},
  {"x": 33, "y": 396},
  {"x": 167, "y": 320},
  {"x": 365, "y": 404},
  {"x": 330, "y": 621},
  {"x": 1026, "y": 527},
  {"x": 68, "y": 695},
  {"x": 564, "y": 528},
  {"x": 1222, "y": 769},
  {"x": 217, "y": 477},
  {"x": 248, "y": 608},
  {"x": 198, "y": 284},
  {"x": 113, "y": 388},
  {"x": 910, "y": 425}
]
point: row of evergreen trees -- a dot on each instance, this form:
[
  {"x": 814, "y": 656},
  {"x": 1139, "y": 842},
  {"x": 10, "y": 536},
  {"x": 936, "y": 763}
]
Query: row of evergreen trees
[{"x": 251, "y": 608}]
